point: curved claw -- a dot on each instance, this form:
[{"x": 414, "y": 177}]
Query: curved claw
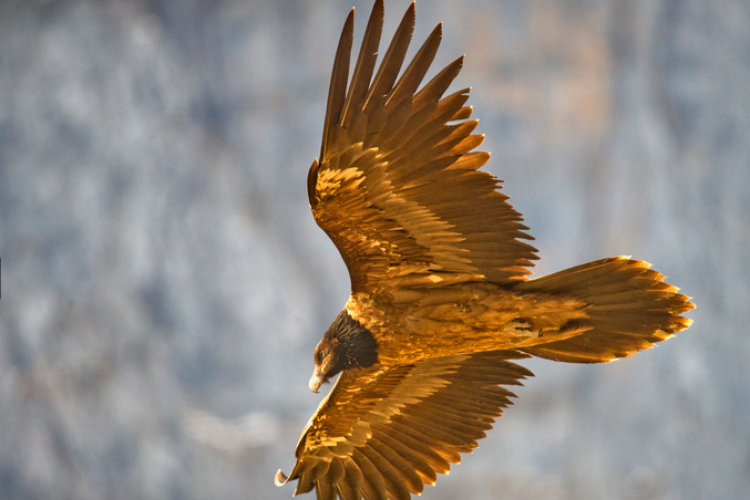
[{"x": 280, "y": 479}]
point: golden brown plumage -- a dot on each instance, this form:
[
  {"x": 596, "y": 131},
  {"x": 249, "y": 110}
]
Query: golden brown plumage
[
  {"x": 440, "y": 300},
  {"x": 387, "y": 430}
]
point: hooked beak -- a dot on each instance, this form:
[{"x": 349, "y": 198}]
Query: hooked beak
[{"x": 316, "y": 380}]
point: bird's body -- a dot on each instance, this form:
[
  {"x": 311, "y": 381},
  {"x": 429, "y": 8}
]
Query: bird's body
[
  {"x": 415, "y": 324},
  {"x": 441, "y": 305}
]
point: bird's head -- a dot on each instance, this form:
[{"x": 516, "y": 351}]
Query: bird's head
[
  {"x": 328, "y": 362},
  {"x": 346, "y": 344}
]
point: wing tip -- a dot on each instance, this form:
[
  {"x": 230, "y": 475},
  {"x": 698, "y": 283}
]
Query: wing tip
[
  {"x": 280, "y": 479},
  {"x": 410, "y": 13}
]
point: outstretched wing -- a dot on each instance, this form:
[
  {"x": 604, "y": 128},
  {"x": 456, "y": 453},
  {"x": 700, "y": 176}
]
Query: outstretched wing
[
  {"x": 397, "y": 188},
  {"x": 385, "y": 431}
]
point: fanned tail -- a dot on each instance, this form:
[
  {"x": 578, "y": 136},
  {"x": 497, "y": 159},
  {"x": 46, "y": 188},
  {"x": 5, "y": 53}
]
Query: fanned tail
[{"x": 630, "y": 309}]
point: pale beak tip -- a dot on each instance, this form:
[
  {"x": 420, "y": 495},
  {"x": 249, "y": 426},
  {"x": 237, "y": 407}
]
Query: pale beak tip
[{"x": 314, "y": 383}]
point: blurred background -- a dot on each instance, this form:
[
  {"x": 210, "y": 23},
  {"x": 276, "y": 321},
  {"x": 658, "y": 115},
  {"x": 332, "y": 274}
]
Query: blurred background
[{"x": 164, "y": 284}]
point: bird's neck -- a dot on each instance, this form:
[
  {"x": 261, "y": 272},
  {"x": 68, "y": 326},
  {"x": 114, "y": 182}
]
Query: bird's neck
[{"x": 355, "y": 343}]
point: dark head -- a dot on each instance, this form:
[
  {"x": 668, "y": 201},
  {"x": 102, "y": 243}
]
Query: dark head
[{"x": 346, "y": 344}]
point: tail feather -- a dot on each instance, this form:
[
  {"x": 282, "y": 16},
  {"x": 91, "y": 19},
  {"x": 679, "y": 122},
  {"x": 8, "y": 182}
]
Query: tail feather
[{"x": 630, "y": 309}]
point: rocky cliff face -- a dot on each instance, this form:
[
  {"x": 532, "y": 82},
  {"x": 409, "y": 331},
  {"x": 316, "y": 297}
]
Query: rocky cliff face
[{"x": 164, "y": 285}]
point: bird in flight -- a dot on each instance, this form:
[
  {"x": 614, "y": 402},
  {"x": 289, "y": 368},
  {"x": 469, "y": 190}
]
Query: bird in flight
[{"x": 441, "y": 307}]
